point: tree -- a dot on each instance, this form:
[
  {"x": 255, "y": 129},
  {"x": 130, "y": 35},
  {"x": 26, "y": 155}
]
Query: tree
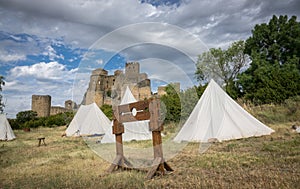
[
  {"x": 25, "y": 116},
  {"x": 274, "y": 73},
  {"x": 223, "y": 66},
  {"x": 172, "y": 105},
  {"x": 2, "y": 83},
  {"x": 107, "y": 110},
  {"x": 189, "y": 99}
]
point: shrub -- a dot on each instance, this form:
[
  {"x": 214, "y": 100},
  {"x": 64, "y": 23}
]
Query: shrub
[
  {"x": 25, "y": 116},
  {"x": 59, "y": 119},
  {"x": 28, "y": 119},
  {"x": 14, "y": 124},
  {"x": 292, "y": 104},
  {"x": 107, "y": 110}
]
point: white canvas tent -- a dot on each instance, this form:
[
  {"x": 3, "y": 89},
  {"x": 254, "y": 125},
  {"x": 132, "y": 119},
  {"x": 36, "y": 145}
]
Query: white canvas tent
[
  {"x": 138, "y": 130},
  {"x": 218, "y": 117},
  {"x": 6, "y": 133},
  {"x": 89, "y": 120}
]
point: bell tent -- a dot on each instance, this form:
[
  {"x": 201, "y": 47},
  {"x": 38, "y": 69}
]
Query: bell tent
[
  {"x": 218, "y": 117},
  {"x": 6, "y": 133},
  {"x": 89, "y": 120},
  {"x": 138, "y": 130}
]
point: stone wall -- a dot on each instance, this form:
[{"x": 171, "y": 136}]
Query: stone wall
[
  {"x": 57, "y": 110},
  {"x": 144, "y": 89}
]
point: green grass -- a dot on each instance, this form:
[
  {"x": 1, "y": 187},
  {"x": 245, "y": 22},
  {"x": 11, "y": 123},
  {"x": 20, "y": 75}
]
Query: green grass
[
  {"x": 260, "y": 162},
  {"x": 276, "y": 113}
]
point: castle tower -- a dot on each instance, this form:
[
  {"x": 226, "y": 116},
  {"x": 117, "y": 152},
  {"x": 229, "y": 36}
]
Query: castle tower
[
  {"x": 95, "y": 92},
  {"x": 41, "y": 104},
  {"x": 70, "y": 105},
  {"x": 132, "y": 71}
]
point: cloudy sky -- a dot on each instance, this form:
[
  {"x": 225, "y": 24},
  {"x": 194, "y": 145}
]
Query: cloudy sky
[{"x": 50, "y": 47}]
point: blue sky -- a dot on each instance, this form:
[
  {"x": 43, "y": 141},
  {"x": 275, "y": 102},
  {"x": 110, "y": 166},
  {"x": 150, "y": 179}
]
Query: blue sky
[{"x": 50, "y": 47}]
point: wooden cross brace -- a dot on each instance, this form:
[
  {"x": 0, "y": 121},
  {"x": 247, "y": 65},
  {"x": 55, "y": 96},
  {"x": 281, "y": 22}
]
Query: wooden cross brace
[{"x": 138, "y": 111}]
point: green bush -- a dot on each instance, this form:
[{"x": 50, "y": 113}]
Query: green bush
[
  {"x": 292, "y": 104},
  {"x": 24, "y": 119},
  {"x": 14, "y": 124},
  {"x": 171, "y": 101},
  {"x": 25, "y": 116},
  {"x": 276, "y": 113},
  {"x": 59, "y": 119},
  {"x": 28, "y": 121},
  {"x": 107, "y": 110}
]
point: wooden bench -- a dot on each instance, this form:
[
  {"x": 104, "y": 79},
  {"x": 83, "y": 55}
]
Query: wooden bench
[{"x": 41, "y": 141}]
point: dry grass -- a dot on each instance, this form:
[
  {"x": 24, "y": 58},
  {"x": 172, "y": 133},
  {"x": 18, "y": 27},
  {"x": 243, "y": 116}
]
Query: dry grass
[{"x": 263, "y": 162}]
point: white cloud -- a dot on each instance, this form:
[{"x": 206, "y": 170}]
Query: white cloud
[
  {"x": 80, "y": 21},
  {"x": 168, "y": 72},
  {"x": 42, "y": 70},
  {"x": 22, "y": 82},
  {"x": 50, "y": 51},
  {"x": 7, "y": 57},
  {"x": 16, "y": 38},
  {"x": 83, "y": 22}
]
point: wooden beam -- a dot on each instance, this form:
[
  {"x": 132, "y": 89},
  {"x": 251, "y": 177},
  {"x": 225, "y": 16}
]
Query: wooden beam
[
  {"x": 130, "y": 118},
  {"x": 153, "y": 168},
  {"x": 139, "y": 106},
  {"x": 115, "y": 164}
]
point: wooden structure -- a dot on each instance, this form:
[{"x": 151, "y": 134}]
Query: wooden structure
[
  {"x": 138, "y": 111},
  {"x": 41, "y": 141}
]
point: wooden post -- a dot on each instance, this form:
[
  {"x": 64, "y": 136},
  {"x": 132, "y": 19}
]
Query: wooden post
[
  {"x": 159, "y": 165},
  {"x": 118, "y": 130}
]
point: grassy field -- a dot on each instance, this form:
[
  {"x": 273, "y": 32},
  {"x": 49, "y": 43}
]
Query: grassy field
[{"x": 262, "y": 162}]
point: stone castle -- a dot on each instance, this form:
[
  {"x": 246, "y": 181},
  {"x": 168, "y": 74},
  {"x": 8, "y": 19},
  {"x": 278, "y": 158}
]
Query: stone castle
[
  {"x": 42, "y": 105},
  {"x": 108, "y": 89},
  {"x": 104, "y": 89}
]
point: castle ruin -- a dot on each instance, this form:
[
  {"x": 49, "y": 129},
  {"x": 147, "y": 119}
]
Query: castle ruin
[
  {"x": 108, "y": 89},
  {"x": 41, "y": 104},
  {"x": 104, "y": 89}
]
